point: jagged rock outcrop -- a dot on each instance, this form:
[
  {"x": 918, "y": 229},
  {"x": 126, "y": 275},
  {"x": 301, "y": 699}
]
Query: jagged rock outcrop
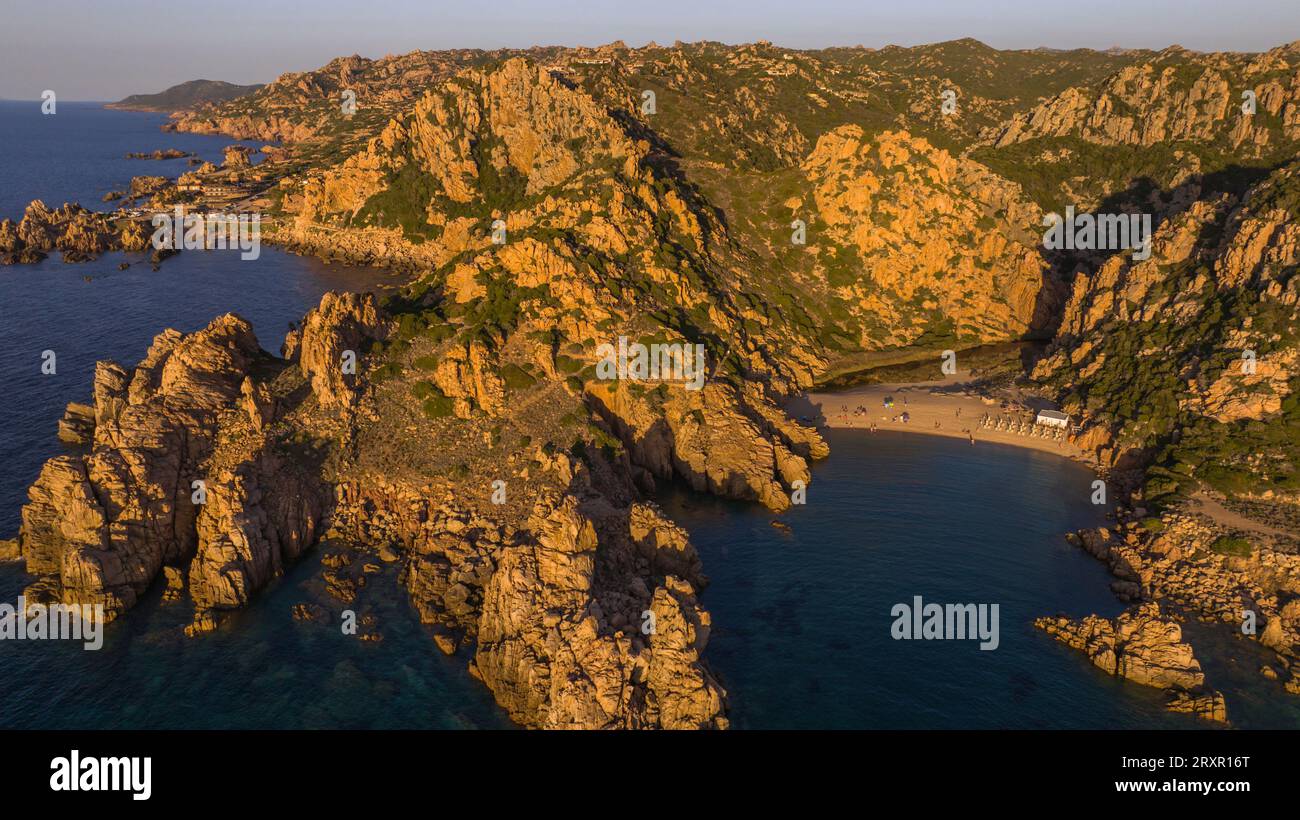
[
  {"x": 1206, "y": 327},
  {"x": 145, "y": 186},
  {"x": 582, "y": 616},
  {"x": 298, "y": 105},
  {"x": 559, "y": 653},
  {"x": 1176, "y": 96},
  {"x": 98, "y": 528},
  {"x": 468, "y": 375},
  {"x": 1182, "y": 561},
  {"x": 78, "y": 424},
  {"x": 235, "y": 157},
  {"x": 1210, "y": 706},
  {"x": 80, "y": 234},
  {"x": 260, "y": 516},
  {"x": 717, "y": 439},
  {"x": 331, "y": 342},
  {"x": 257, "y": 401},
  {"x": 1142, "y": 645},
  {"x": 476, "y": 145}
]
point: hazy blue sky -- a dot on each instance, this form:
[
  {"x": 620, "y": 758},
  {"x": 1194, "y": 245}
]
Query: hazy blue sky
[{"x": 106, "y": 49}]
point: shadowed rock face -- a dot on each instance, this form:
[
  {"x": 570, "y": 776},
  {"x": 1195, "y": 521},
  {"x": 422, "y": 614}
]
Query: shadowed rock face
[
  {"x": 719, "y": 440},
  {"x": 559, "y": 651},
  {"x": 260, "y": 516},
  {"x": 578, "y": 610},
  {"x": 1218, "y": 283}
]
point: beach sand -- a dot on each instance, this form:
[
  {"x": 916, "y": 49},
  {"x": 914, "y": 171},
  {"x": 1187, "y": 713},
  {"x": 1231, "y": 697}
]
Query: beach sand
[{"x": 927, "y": 404}]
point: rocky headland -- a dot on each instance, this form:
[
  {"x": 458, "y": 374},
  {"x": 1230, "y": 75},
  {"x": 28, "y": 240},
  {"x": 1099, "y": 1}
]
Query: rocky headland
[{"x": 797, "y": 215}]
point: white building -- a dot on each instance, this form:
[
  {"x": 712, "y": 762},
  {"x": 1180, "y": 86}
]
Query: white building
[{"x": 1052, "y": 418}]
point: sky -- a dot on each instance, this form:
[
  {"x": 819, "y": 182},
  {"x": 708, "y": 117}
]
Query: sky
[{"x": 107, "y": 49}]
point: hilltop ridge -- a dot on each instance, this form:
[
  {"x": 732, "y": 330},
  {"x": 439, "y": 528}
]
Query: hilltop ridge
[{"x": 184, "y": 96}]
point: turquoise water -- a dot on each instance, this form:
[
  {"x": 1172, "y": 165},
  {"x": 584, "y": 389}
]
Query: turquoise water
[
  {"x": 262, "y": 670},
  {"x": 802, "y": 620}
]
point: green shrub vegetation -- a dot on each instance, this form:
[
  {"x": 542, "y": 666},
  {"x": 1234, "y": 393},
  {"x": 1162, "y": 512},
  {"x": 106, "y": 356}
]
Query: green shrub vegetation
[
  {"x": 1231, "y": 545},
  {"x": 516, "y": 378},
  {"x": 435, "y": 404}
]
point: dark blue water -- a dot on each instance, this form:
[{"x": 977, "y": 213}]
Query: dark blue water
[
  {"x": 264, "y": 669},
  {"x": 78, "y": 154},
  {"x": 801, "y": 621}
]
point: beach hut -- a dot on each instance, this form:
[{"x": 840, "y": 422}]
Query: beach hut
[{"x": 1052, "y": 418}]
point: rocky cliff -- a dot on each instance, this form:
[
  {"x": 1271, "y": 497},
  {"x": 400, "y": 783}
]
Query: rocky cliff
[
  {"x": 939, "y": 238},
  {"x": 1200, "y": 336},
  {"x": 1177, "y": 95},
  {"x": 99, "y": 528}
]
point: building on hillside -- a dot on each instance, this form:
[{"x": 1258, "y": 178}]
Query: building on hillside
[
  {"x": 1052, "y": 418},
  {"x": 220, "y": 189}
]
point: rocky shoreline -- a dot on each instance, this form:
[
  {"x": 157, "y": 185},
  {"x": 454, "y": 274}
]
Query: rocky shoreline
[
  {"x": 387, "y": 430},
  {"x": 80, "y": 234},
  {"x": 1144, "y": 645},
  {"x": 548, "y": 598},
  {"x": 1174, "y": 567}
]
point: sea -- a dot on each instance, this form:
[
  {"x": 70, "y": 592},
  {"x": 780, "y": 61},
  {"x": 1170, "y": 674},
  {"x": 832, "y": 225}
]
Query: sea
[{"x": 802, "y": 627}]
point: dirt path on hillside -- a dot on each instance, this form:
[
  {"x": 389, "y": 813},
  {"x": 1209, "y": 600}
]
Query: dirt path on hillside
[{"x": 1212, "y": 508}]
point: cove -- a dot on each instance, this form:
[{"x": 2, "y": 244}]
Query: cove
[{"x": 802, "y": 619}]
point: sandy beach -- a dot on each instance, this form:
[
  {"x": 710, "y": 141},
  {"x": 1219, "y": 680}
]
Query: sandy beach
[{"x": 933, "y": 408}]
